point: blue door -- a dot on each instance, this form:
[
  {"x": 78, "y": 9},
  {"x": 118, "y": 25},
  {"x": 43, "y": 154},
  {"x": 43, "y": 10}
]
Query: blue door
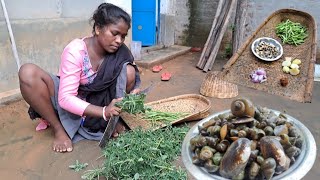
[{"x": 144, "y": 21}]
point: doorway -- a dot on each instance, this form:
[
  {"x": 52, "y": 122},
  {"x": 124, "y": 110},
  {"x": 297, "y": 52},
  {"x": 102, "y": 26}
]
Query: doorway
[{"x": 144, "y": 21}]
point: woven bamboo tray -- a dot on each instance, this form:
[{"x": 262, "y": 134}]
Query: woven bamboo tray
[
  {"x": 195, "y": 105},
  {"x": 243, "y": 62},
  {"x": 213, "y": 86}
]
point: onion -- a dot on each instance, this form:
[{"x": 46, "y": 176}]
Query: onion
[
  {"x": 260, "y": 71},
  {"x": 258, "y": 76}
]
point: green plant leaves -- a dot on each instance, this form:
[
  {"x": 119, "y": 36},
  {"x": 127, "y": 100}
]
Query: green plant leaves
[
  {"x": 132, "y": 103},
  {"x": 143, "y": 154},
  {"x": 78, "y": 166}
]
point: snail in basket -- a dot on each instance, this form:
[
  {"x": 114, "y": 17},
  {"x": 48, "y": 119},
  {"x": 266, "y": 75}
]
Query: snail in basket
[{"x": 246, "y": 143}]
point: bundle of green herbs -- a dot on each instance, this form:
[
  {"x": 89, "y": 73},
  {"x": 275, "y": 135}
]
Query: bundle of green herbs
[
  {"x": 291, "y": 32},
  {"x": 143, "y": 154},
  {"x": 133, "y": 103}
]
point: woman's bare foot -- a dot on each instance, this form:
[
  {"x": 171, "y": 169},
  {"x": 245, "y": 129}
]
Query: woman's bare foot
[
  {"x": 62, "y": 142},
  {"x": 120, "y": 128}
]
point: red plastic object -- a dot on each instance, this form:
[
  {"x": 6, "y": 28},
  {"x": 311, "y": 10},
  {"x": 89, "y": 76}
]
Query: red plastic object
[
  {"x": 43, "y": 124},
  {"x": 195, "y": 49},
  {"x": 156, "y": 68},
  {"x": 166, "y": 76}
]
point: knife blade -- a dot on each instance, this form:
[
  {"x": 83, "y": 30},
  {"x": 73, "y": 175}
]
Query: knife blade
[
  {"x": 109, "y": 130},
  {"x": 148, "y": 89}
]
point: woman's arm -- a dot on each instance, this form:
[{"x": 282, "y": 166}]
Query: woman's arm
[{"x": 70, "y": 73}]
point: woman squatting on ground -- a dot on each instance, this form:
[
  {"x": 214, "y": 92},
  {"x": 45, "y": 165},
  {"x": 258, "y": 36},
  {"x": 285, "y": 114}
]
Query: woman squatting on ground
[{"x": 93, "y": 75}]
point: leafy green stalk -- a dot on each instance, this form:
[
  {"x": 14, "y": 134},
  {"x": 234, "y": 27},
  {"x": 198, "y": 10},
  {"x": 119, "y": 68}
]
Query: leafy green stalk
[
  {"x": 78, "y": 166},
  {"x": 132, "y": 103}
]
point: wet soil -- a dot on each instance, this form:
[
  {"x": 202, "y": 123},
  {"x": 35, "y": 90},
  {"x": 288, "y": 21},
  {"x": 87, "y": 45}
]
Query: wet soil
[{"x": 27, "y": 154}]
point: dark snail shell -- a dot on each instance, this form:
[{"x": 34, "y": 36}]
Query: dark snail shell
[
  {"x": 254, "y": 170},
  {"x": 196, "y": 160},
  {"x": 197, "y": 141},
  {"x": 236, "y": 158},
  {"x": 209, "y": 123},
  {"x": 281, "y": 129},
  {"x": 223, "y": 146},
  {"x": 268, "y": 168},
  {"x": 217, "y": 158},
  {"x": 214, "y": 130},
  {"x": 206, "y": 153},
  {"x": 242, "y": 108},
  {"x": 211, "y": 141},
  {"x": 210, "y": 167},
  {"x": 241, "y": 120},
  {"x": 271, "y": 147},
  {"x": 293, "y": 152}
]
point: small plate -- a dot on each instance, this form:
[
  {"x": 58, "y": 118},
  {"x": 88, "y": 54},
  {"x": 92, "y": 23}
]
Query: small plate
[{"x": 268, "y": 41}]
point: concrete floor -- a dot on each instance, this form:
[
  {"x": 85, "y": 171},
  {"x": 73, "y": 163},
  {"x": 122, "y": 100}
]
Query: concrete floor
[{"x": 27, "y": 154}]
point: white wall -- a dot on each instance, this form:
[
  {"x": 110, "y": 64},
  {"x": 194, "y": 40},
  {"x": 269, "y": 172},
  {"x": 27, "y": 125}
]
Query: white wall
[
  {"x": 168, "y": 7},
  {"x": 49, "y": 9},
  {"x": 167, "y": 25},
  {"x": 124, "y": 4}
]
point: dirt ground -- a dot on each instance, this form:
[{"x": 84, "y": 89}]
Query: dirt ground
[{"x": 27, "y": 154}]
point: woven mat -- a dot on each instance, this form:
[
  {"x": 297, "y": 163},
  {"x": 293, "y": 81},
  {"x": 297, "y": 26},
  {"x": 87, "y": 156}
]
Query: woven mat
[{"x": 242, "y": 63}]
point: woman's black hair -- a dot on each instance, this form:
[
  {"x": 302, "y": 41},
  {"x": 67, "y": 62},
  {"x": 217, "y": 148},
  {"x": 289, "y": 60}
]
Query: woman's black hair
[{"x": 107, "y": 14}]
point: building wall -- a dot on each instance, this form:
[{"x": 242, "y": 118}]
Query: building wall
[
  {"x": 193, "y": 21},
  {"x": 167, "y": 22},
  {"x": 182, "y": 22},
  {"x": 42, "y": 28}
]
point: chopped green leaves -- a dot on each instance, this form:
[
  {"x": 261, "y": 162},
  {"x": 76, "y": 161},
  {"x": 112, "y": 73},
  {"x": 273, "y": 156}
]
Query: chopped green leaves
[
  {"x": 132, "y": 103},
  {"x": 291, "y": 32},
  {"x": 143, "y": 154}
]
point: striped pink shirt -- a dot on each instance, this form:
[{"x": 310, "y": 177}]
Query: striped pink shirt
[{"x": 75, "y": 69}]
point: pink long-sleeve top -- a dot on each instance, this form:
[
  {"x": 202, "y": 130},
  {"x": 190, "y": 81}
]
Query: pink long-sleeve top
[{"x": 75, "y": 69}]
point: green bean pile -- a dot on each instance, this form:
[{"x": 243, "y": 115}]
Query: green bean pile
[
  {"x": 153, "y": 116},
  {"x": 291, "y": 32}
]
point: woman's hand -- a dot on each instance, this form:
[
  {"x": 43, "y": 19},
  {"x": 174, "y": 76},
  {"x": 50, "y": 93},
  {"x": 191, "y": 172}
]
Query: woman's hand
[{"x": 111, "y": 109}]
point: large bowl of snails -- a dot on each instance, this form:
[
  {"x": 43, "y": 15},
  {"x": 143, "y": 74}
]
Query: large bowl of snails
[
  {"x": 248, "y": 143},
  {"x": 267, "y": 49}
]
